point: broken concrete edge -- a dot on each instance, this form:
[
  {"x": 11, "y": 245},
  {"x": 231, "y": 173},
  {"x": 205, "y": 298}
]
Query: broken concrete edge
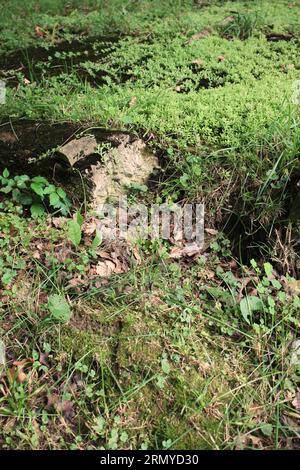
[{"x": 113, "y": 170}]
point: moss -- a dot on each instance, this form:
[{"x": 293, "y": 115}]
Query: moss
[
  {"x": 80, "y": 343},
  {"x": 140, "y": 344}
]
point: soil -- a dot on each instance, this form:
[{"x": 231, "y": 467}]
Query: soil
[{"x": 33, "y": 62}]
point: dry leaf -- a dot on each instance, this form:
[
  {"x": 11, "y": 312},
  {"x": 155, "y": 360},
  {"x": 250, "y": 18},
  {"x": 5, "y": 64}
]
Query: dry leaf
[
  {"x": 59, "y": 222},
  {"x": 36, "y": 254},
  {"x": 66, "y": 407},
  {"x": 103, "y": 254},
  {"x": 105, "y": 268},
  {"x": 175, "y": 252},
  {"x": 191, "y": 249},
  {"x": 132, "y": 102},
  {"x": 248, "y": 439},
  {"x": 201, "y": 35},
  {"x": 39, "y": 32},
  {"x": 211, "y": 231},
  {"x": 296, "y": 401},
  {"x": 198, "y": 62},
  {"x": 89, "y": 228},
  {"x": 207, "y": 274},
  {"x": 43, "y": 359},
  {"x": 228, "y": 20}
]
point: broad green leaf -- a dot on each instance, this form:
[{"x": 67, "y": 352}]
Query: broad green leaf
[
  {"x": 37, "y": 210},
  {"x": 7, "y": 189},
  {"x": 21, "y": 181},
  {"x": 165, "y": 366},
  {"x": 61, "y": 193},
  {"x": 8, "y": 276},
  {"x": 276, "y": 284},
  {"x": 54, "y": 199},
  {"x": 267, "y": 429},
  {"x": 59, "y": 308},
  {"x": 74, "y": 232},
  {"x": 50, "y": 189},
  {"x": 97, "y": 240},
  {"x": 268, "y": 269},
  {"x": 16, "y": 194},
  {"x": 250, "y": 304},
  {"x": 6, "y": 173},
  {"x": 40, "y": 180},
  {"x": 79, "y": 218},
  {"x": 37, "y": 188}
]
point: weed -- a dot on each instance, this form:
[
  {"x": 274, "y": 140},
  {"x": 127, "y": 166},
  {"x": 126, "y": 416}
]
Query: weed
[
  {"x": 239, "y": 25},
  {"x": 34, "y": 193}
]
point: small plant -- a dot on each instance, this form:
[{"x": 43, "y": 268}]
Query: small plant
[
  {"x": 75, "y": 232},
  {"x": 240, "y": 25},
  {"x": 59, "y": 308},
  {"x": 35, "y": 193}
]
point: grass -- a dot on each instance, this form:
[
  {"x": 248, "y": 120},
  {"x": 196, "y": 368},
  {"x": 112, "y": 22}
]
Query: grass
[{"x": 170, "y": 354}]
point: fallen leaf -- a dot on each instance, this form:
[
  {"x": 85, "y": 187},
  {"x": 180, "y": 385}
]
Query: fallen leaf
[
  {"x": 36, "y": 254},
  {"x": 43, "y": 359},
  {"x": 198, "y": 62},
  {"x": 208, "y": 274},
  {"x": 89, "y": 228},
  {"x": 17, "y": 371},
  {"x": 132, "y": 102},
  {"x": 39, "y": 32},
  {"x": 66, "y": 407},
  {"x": 75, "y": 282},
  {"x": 21, "y": 376},
  {"x": 211, "y": 231},
  {"x": 105, "y": 268},
  {"x": 191, "y": 249},
  {"x": 59, "y": 222},
  {"x": 248, "y": 439},
  {"x": 52, "y": 400},
  {"x": 104, "y": 254},
  {"x": 228, "y": 19},
  {"x": 175, "y": 252},
  {"x": 296, "y": 401},
  {"x": 201, "y": 35},
  {"x": 292, "y": 285}
]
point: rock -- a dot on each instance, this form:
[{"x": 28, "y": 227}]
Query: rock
[
  {"x": 129, "y": 163},
  {"x": 78, "y": 149},
  {"x": 113, "y": 171}
]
